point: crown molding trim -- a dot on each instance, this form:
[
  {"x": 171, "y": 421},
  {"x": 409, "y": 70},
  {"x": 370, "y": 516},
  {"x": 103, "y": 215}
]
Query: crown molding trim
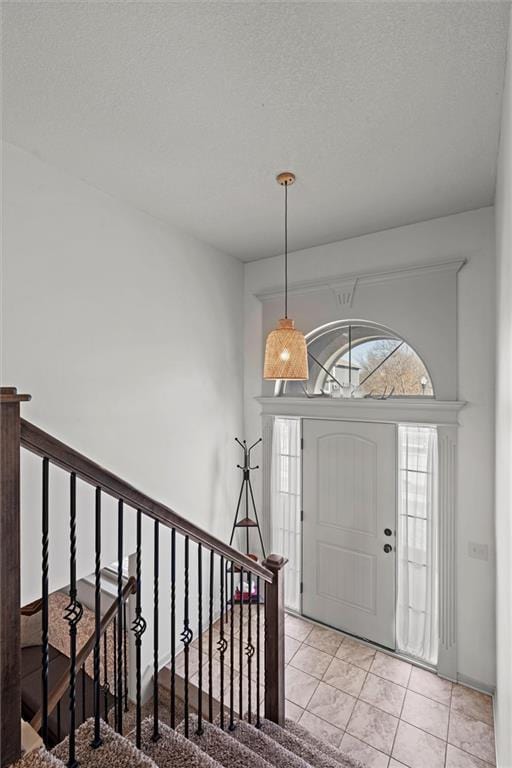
[
  {"x": 391, "y": 411},
  {"x": 344, "y": 285}
]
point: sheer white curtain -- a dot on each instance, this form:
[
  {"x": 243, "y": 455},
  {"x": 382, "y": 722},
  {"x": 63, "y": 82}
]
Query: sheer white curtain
[
  {"x": 285, "y": 503},
  {"x": 417, "y": 610}
]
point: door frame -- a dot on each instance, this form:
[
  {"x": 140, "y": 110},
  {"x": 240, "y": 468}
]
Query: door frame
[
  {"x": 395, "y": 522},
  {"x": 438, "y": 413}
]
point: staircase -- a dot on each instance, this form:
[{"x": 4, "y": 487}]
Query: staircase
[
  {"x": 219, "y": 698},
  {"x": 270, "y": 746}
]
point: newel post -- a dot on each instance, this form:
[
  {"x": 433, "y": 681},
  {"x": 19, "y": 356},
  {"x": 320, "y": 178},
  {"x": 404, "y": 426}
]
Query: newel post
[
  {"x": 10, "y": 652},
  {"x": 274, "y": 640}
]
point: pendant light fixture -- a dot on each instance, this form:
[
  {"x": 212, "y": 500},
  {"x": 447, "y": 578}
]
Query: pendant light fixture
[{"x": 286, "y": 353}]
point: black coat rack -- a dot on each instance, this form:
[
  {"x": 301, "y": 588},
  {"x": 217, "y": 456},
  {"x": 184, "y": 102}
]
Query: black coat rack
[{"x": 246, "y": 493}]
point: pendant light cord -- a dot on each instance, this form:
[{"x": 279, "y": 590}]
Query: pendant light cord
[{"x": 286, "y": 249}]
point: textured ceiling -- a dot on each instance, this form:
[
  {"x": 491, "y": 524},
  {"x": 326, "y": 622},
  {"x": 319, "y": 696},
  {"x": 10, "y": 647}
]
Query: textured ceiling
[{"x": 388, "y": 112}]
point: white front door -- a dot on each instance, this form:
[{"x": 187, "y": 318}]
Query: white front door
[{"x": 349, "y": 504}]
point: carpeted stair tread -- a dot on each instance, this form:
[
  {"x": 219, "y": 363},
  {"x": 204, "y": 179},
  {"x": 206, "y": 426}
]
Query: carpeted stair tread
[
  {"x": 222, "y": 747},
  {"x": 302, "y": 748},
  {"x": 115, "y": 750},
  {"x": 266, "y": 747},
  {"x": 39, "y": 758},
  {"x": 323, "y": 746},
  {"x": 172, "y": 750}
]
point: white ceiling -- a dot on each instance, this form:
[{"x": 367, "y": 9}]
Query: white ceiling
[{"x": 388, "y": 112}]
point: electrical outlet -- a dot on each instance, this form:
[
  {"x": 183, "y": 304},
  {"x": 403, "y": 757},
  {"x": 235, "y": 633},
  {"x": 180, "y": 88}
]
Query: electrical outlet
[{"x": 478, "y": 551}]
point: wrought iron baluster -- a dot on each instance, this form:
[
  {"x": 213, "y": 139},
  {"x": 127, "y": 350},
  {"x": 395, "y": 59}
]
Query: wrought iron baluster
[
  {"x": 258, "y": 652},
  {"x": 125, "y": 656},
  {"x": 249, "y": 648},
  {"x": 106, "y": 684},
  {"x": 83, "y": 693},
  {"x": 97, "y": 619},
  {"x": 232, "y": 650},
  {"x": 44, "y": 594},
  {"x": 186, "y": 636},
  {"x": 222, "y": 644},
  {"x": 114, "y": 655},
  {"x": 138, "y": 627},
  {"x": 119, "y": 664},
  {"x": 241, "y": 648},
  {"x": 73, "y": 614},
  {"x": 200, "y": 638},
  {"x": 173, "y": 628},
  {"x": 210, "y": 640},
  {"x": 156, "y": 629}
]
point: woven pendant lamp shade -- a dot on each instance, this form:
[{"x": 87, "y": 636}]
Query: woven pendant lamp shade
[{"x": 286, "y": 354}]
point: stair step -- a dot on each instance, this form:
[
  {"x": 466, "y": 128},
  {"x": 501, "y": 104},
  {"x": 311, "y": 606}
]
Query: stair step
[
  {"x": 115, "y": 750},
  {"x": 337, "y": 754},
  {"x": 172, "y": 750},
  {"x": 264, "y": 746},
  {"x": 39, "y": 758},
  {"x": 318, "y": 758},
  {"x": 222, "y": 747},
  {"x": 246, "y": 522}
]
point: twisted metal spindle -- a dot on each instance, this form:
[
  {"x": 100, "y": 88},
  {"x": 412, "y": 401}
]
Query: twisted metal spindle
[
  {"x": 258, "y": 652},
  {"x": 138, "y": 628},
  {"x": 200, "y": 639},
  {"x": 210, "y": 639},
  {"x": 249, "y": 648},
  {"x": 83, "y": 693},
  {"x": 44, "y": 594},
  {"x": 173, "y": 628},
  {"x": 97, "y": 619},
  {"x": 156, "y": 733},
  {"x": 114, "y": 656},
  {"x": 186, "y": 636},
  {"x": 232, "y": 650},
  {"x": 106, "y": 684},
  {"x": 222, "y": 644},
  {"x": 119, "y": 664},
  {"x": 241, "y": 648},
  {"x": 72, "y": 615}
]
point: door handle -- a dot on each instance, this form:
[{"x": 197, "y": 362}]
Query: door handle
[
  {"x": 387, "y": 531},
  {"x": 387, "y": 548}
]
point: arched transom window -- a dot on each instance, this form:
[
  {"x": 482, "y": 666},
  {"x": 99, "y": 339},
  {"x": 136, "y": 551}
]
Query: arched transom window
[{"x": 356, "y": 359}]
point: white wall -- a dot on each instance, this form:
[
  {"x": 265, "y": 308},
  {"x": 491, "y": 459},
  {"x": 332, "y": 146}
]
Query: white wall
[
  {"x": 128, "y": 335},
  {"x": 504, "y": 430},
  {"x": 471, "y": 236}
]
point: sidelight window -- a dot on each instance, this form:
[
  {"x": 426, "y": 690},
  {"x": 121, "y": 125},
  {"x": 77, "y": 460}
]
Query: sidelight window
[
  {"x": 285, "y": 503},
  {"x": 417, "y": 543}
]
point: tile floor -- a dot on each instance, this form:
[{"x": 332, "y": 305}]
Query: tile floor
[{"x": 383, "y": 711}]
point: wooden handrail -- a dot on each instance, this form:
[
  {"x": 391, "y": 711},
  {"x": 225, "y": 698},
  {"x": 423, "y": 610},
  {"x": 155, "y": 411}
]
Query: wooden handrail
[
  {"x": 41, "y": 443},
  {"x": 32, "y": 608},
  {"x": 62, "y": 685}
]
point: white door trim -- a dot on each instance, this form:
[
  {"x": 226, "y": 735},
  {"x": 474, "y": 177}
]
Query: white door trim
[{"x": 444, "y": 415}]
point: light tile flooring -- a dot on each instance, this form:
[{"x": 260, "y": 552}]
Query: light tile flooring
[{"x": 383, "y": 711}]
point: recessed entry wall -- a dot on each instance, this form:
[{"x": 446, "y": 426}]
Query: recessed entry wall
[
  {"x": 433, "y": 284},
  {"x": 419, "y": 304}
]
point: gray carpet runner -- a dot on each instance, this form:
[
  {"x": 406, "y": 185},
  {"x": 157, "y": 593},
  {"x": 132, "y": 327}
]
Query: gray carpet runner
[
  {"x": 222, "y": 747},
  {"x": 265, "y": 747},
  {"x": 304, "y": 749},
  {"x": 244, "y": 747},
  {"x": 115, "y": 750},
  {"x": 172, "y": 750}
]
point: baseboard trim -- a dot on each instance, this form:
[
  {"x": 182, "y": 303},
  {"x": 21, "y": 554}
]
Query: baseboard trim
[{"x": 470, "y": 682}]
